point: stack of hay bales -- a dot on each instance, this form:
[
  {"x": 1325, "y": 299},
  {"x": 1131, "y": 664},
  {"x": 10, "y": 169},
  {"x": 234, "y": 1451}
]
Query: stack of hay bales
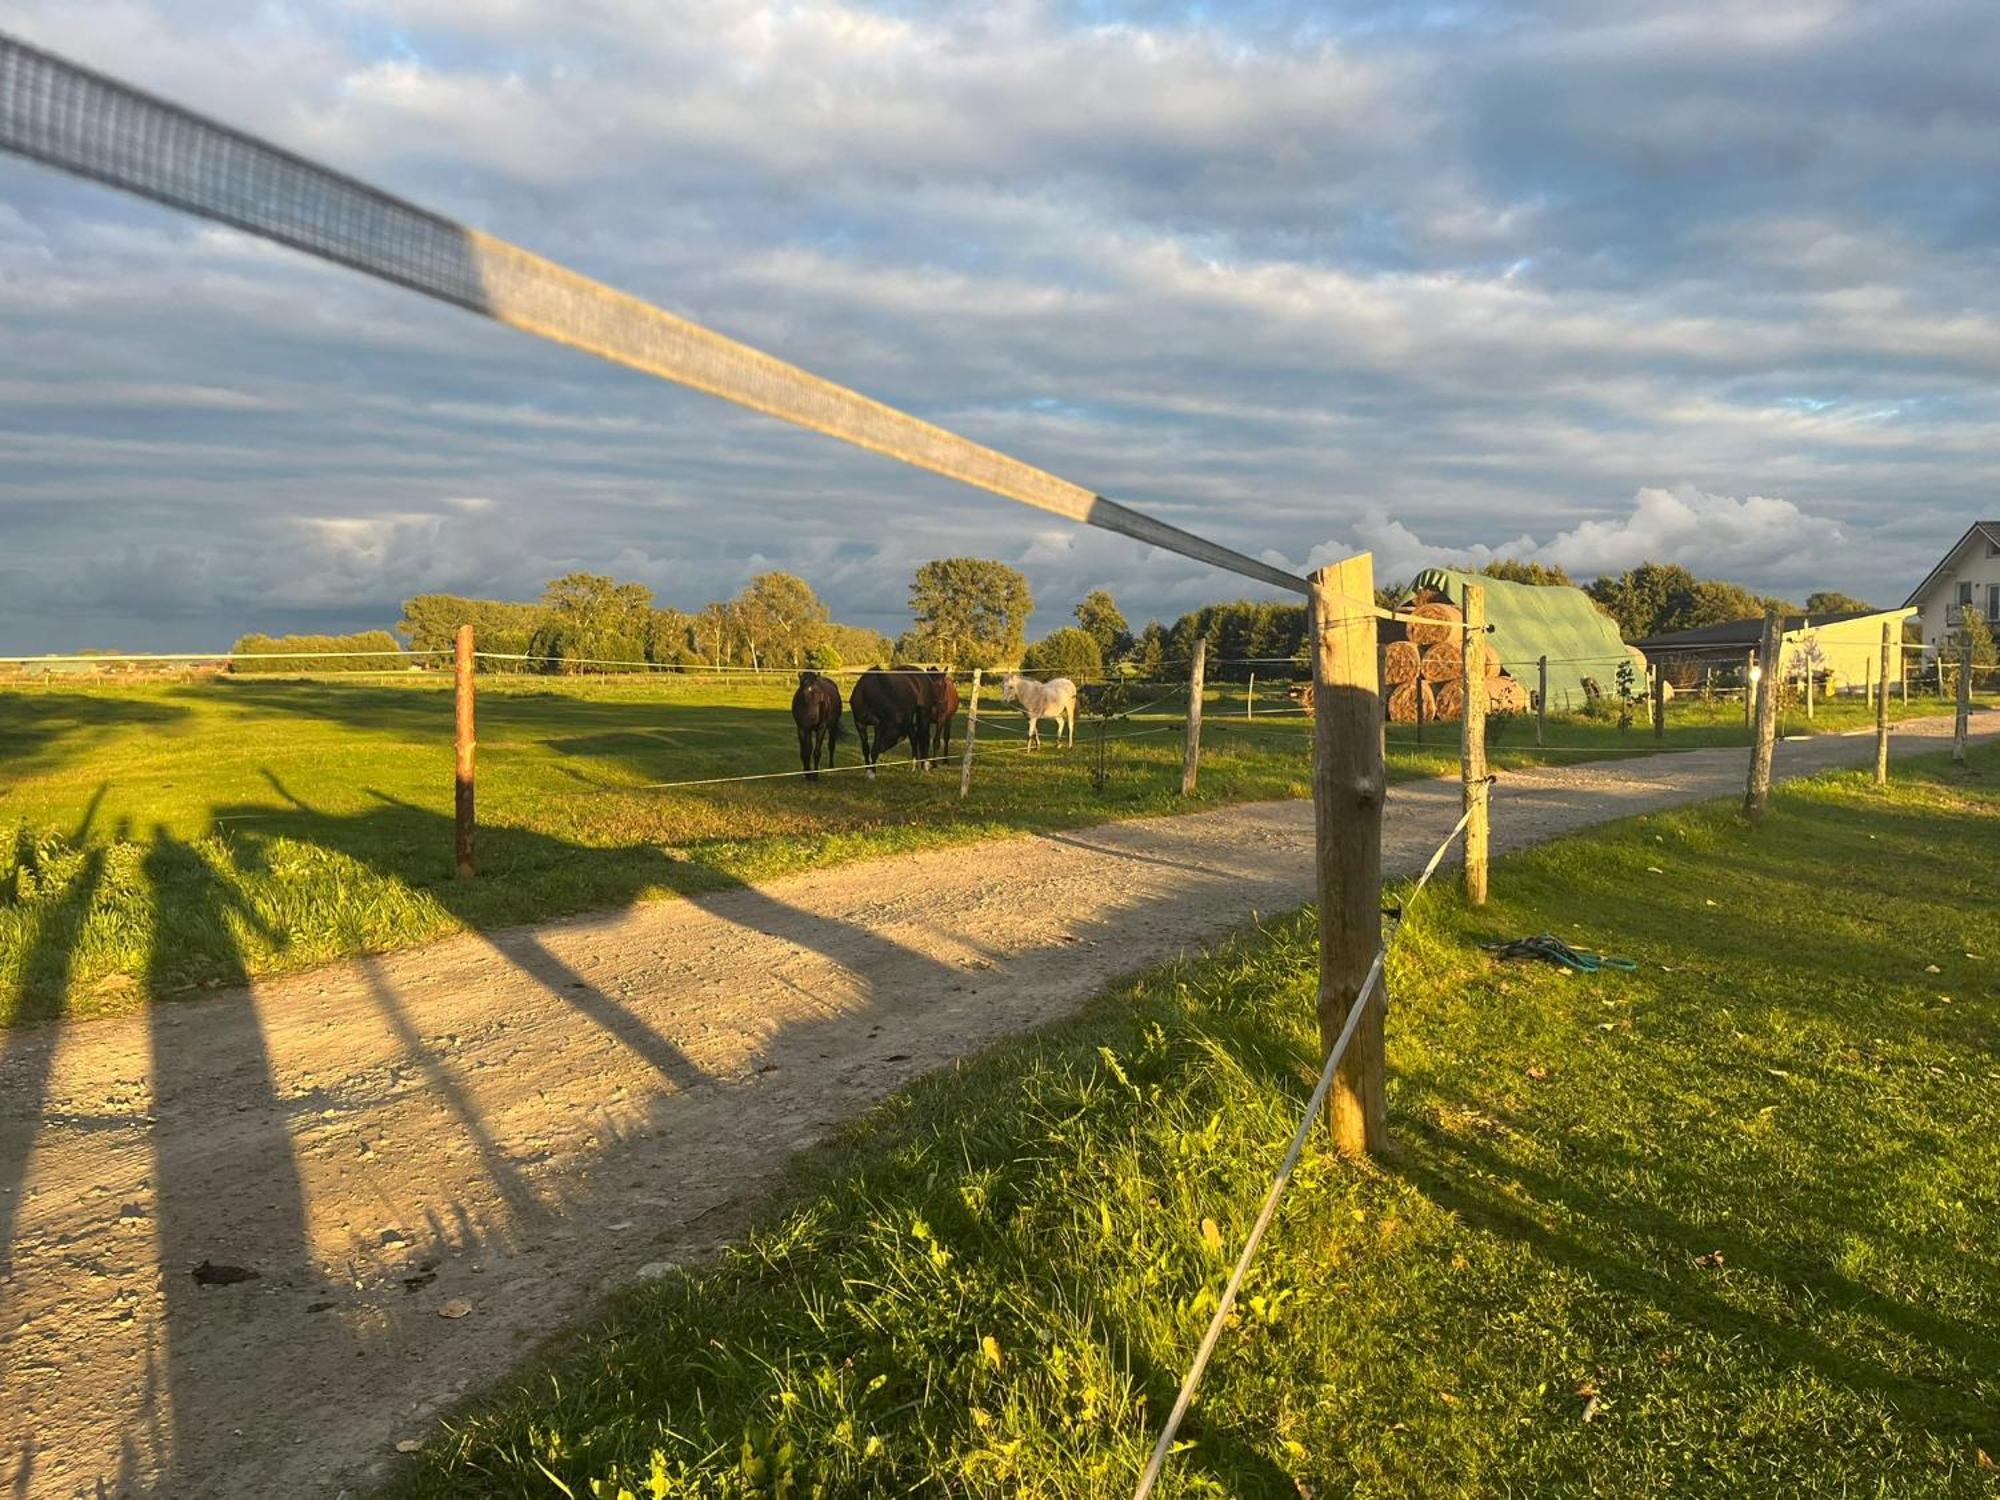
[{"x": 1423, "y": 664}]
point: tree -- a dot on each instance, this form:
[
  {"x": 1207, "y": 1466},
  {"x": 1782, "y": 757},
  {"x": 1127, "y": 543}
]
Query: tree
[
  {"x": 969, "y": 611},
  {"x": 1149, "y": 652},
  {"x": 1102, "y": 620},
  {"x": 823, "y": 658},
  {"x": 590, "y": 620},
  {"x": 264, "y": 653},
  {"x": 779, "y": 618},
  {"x": 1832, "y": 602},
  {"x": 1972, "y": 627},
  {"x": 430, "y": 623},
  {"x": 858, "y": 644},
  {"x": 1543, "y": 575},
  {"x": 1638, "y": 599},
  {"x": 1069, "y": 652},
  {"x": 670, "y": 640}
]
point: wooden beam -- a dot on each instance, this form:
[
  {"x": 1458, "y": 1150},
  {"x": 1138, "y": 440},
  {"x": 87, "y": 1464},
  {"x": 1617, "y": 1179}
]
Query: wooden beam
[
  {"x": 1476, "y": 788},
  {"x": 463, "y": 745},
  {"x": 1757, "y": 795}
]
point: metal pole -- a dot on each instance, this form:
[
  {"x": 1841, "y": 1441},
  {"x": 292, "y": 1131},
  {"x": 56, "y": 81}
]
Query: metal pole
[
  {"x": 1542, "y": 699},
  {"x": 971, "y": 730}
]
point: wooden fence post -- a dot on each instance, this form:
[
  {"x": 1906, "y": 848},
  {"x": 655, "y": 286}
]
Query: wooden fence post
[
  {"x": 1882, "y": 713},
  {"x": 1964, "y": 702},
  {"x": 1809, "y": 690},
  {"x": 1472, "y": 743},
  {"x": 464, "y": 743},
  {"x": 1191, "y": 757},
  {"x": 971, "y": 729},
  {"x": 1903, "y": 668},
  {"x": 1940, "y": 670},
  {"x": 1868, "y": 682},
  {"x": 1758, "y": 794},
  {"x": 1347, "y": 841},
  {"x": 1749, "y": 690},
  {"x": 1542, "y": 699},
  {"x": 1659, "y": 704},
  {"x": 1250, "y": 698}
]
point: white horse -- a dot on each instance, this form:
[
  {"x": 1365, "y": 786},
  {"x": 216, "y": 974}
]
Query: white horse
[{"x": 1054, "y": 699}]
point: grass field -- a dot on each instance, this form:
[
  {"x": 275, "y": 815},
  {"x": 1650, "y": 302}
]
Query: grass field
[
  {"x": 160, "y": 838},
  {"x": 1723, "y": 1226}
]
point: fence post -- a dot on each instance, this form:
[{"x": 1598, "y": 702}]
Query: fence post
[
  {"x": 1809, "y": 690},
  {"x": 1868, "y": 682},
  {"x": 971, "y": 729},
  {"x": 1903, "y": 669},
  {"x": 1472, "y": 743},
  {"x": 1749, "y": 689},
  {"x": 1250, "y": 698},
  {"x": 1758, "y": 794},
  {"x": 1347, "y": 841},
  {"x": 1659, "y": 704},
  {"x": 1542, "y": 699},
  {"x": 463, "y": 746},
  {"x": 1964, "y": 702},
  {"x": 1191, "y": 757},
  {"x": 1940, "y": 670},
  {"x": 1882, "y": 714}
]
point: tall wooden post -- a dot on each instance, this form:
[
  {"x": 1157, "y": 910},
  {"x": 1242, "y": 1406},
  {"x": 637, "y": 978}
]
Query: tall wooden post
[
  {"x": 1749, "y": 690},
  {"x": 1472, "y": 743},
  {"x": 1758, "y": 794},
  {"x": 1659, "y": 704},
  {"x": 1964, "y": 702},
  {"x": 1940, "y": 670},
  {"x": 1903, "y": 667},
  {"x": 1882, "y": 712},
  {"x": 971, "y": 729},
  {"x": 1868, "y": 682},
  {"x": 463, "y": 746},
  {"x": 1191, "y": 757},
  {"x": 1250, "y": 698},
  {"x": 1542, "y": 699},
  {"x": 1809, "y": 687},
  {"x": 1347, "y": 840}
]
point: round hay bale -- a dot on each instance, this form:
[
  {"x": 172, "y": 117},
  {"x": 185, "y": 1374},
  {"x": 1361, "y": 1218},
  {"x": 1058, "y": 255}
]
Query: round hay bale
[
  {"x": 1443, "y": 663},
  {"x": 1505, "y": 695},
  {"x": 1450, "y": 699},
  {"x": 1403, "y": 702},
  {"x": 1446, "y": 630},
  {"x": 1401, "y": 662}
]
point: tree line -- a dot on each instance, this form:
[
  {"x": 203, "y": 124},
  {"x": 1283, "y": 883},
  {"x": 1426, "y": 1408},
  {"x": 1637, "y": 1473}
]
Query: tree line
[{"x": 965, "y": 612}]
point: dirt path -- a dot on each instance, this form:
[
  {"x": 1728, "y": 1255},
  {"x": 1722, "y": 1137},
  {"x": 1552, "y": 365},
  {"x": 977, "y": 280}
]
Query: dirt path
[{"x": 512, "y": 1121}]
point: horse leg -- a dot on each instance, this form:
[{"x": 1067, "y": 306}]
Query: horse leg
[
  {"x": 869, "y": 748},
  {"x": 809, "y": 753}
]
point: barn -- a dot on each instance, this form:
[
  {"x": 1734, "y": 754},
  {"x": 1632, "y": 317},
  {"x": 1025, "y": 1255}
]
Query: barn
[{"x": 1530, "y": 621}]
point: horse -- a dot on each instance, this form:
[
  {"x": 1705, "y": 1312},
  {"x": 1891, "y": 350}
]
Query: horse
[
  {"x": 890, "y": 706},
  {"x": 1301, "y": 693},
  {"x": 816, "y": 712},
  {"x": 1054, "y": 699},
  {"x": 941, "y": 696}
]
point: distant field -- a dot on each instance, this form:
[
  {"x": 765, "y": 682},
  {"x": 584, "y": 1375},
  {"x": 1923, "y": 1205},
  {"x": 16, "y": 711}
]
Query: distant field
[{"x": 169, "y": 836}]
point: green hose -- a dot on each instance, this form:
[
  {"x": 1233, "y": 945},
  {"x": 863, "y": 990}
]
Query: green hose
[{"x": 1552, "y": 949}]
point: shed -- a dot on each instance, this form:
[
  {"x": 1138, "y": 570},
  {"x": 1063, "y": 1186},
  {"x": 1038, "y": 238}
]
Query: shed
[
  {"x": 1530, "y": 621},
  {"x": 1844, "y": 650}
]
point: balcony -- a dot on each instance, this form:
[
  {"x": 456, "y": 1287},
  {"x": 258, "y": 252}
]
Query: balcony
[{"x": 1954, "y": 616}]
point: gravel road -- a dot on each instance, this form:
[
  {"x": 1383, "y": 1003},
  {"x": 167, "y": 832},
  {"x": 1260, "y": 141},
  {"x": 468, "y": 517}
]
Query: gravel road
[{"x": 248, "y": 1244}]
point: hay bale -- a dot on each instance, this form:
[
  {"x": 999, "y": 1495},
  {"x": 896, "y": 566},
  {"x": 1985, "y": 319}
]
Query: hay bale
[
  {"x": 1450, "y": 699},
  {"x": 1443, "y": 663},
  {"x": 1448, "y": 617},
  {"x": 1404, "y": 699},
  {"x": 1505, "y": 695},
  {"x": 1401, "y": 662}
]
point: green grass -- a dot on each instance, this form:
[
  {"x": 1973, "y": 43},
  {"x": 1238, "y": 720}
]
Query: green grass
[
  {"x": 160, "y": 838},
  {"x": 1722, "y": 1226}
]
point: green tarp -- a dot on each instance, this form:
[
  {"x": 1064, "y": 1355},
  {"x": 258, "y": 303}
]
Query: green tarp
[{"x": 1530, "y": 621}]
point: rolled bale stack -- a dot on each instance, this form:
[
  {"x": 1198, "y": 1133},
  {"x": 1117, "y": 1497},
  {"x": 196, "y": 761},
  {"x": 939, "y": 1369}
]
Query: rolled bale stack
[
  {"x": 1401, "y": 662},
  {"x": 1405, "y": 698},
  {"x": 1504, "y": 695},
  {"x": 1450, "y": 699}
]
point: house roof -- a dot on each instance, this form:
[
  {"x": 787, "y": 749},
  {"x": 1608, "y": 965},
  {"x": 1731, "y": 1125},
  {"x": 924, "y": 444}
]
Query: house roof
[
  {"x": 1746, "y": 632},
  {"x": 1988, "y": 529}
]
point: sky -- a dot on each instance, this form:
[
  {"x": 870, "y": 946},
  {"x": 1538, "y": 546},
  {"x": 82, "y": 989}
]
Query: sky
[{"x": 1585, "y": 283}]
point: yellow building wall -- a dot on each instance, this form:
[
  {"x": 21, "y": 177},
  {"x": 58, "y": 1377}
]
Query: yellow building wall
[{"x": 1851, "y": 649}]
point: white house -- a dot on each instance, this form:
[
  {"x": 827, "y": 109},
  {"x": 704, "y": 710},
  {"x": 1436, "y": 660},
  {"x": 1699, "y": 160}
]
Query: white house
[{"x": 1967, "y": 578}]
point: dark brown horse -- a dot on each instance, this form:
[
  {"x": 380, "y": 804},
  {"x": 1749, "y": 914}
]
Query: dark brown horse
[
  {"x": 816, "y": 711},
  {"x": 889, "y": 706},
  {"x": 941, "y": 698}
]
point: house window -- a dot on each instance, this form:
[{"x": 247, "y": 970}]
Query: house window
[
  {"x": 1965, "y": 593},
  {"x": 1993, "y": 601}
]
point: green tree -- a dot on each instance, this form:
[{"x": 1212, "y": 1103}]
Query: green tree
[
  {"x": 1149, "y": 651},
  {"x": 1972, "y": 627},
  {"x": 1832, "y": 602},
  {"x": 590, "y": 619},
  {"x": 779, "y": 618},
  {"x": 265, "y": 653},
  {"x": 501, "y": 627},
  {"x": 1069, "y": 652},
  {"x": 1102, "y": 620},
  {"x": 1542, "y": 575},
  {"x": 969, "y": 611},
  {"x": 858, "y": 644},
  {"x": 1639, "y": 598},
  {"x": 670, "y": 639},
  {"x": 823, "y": 658}
]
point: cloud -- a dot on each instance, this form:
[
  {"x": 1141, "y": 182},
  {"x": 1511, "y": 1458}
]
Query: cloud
[{"x": 1445, "y": 282}]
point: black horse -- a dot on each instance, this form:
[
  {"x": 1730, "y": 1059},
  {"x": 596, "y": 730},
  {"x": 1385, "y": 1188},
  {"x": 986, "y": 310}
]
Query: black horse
[
  {"x": 816, "y": 711},
  {"x": 890, "y": 706}
]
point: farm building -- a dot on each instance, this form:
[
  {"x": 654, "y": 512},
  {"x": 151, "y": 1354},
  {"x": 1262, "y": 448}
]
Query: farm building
[
  {"x": 1965, "y": 581},
  {"x": 1530, "y": 621},
  {"x": 1843, "y": 651}
]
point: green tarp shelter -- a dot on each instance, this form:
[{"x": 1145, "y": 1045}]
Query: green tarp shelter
[{"x": 1533, "y": 620}]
